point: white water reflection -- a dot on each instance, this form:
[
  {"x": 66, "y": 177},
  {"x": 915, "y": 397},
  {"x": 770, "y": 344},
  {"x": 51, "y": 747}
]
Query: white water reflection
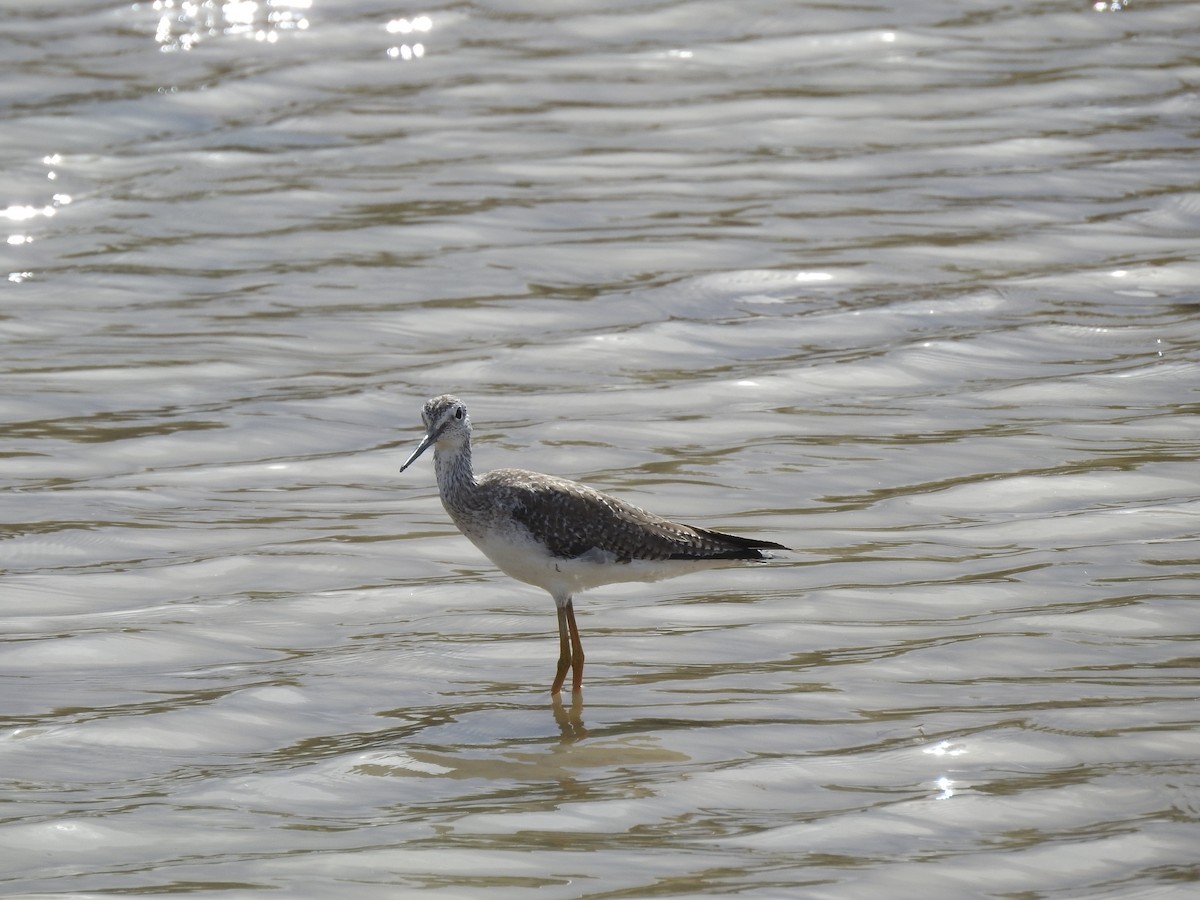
[
  {"x": 915, "y": 297},
  {"x": 183, "y": 24}
]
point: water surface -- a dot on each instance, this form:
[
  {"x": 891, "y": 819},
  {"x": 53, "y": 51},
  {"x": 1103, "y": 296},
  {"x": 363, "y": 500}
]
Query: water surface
[{"x": 910, "y": 290}]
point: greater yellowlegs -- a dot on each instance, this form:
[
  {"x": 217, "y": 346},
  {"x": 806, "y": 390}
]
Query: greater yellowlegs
[{"x": 562, "y": 536}]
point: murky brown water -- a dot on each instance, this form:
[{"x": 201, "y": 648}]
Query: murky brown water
[{"x": 911, "y": 290}]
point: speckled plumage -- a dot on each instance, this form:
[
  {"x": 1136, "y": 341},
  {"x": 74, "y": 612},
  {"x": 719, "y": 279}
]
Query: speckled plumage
[
  {"x": 562, "y": 536},
  {"x": 572, "y": 519}
]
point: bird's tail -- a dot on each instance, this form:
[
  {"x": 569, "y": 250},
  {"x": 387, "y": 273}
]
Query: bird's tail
[{"x": 730, "y": 546}]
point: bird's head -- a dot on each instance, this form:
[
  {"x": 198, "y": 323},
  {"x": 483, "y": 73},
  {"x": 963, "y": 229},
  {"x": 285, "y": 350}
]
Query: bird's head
[{"x": 446, "y": 424}]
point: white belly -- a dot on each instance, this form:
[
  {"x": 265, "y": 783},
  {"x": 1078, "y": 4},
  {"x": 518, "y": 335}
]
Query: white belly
[{"x": 525, "y": 559}]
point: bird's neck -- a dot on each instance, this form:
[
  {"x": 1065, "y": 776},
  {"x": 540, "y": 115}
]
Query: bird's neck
[{"x": 456, "y": 480}]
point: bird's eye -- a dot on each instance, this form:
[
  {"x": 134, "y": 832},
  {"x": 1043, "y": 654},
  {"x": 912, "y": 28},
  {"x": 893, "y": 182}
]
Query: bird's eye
[{"x": 458, "y": 413}]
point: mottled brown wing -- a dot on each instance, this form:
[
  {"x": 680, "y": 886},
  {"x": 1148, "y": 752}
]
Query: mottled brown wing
[{"x": 573, "y": 519}]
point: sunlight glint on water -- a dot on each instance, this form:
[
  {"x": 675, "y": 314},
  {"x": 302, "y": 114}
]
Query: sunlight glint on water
[{"x": 912, "y": 292}]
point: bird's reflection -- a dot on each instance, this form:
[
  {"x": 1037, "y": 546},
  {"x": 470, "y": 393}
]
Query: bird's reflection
[{"x": 569, "y": 719}]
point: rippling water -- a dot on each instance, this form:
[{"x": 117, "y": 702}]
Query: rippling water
[{"x": 910, "y": 288}]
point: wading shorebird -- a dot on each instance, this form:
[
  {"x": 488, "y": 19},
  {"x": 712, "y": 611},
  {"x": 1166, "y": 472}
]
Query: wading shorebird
[{"x": 562, "y": 536}]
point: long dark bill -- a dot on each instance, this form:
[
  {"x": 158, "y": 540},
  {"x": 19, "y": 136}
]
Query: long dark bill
[{"x": 424, "y": 445}]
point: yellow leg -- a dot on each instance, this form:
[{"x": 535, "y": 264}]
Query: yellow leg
[
  {"x": 564, "y": 651},
  {"x": 576, "y": 651},
  {"x": 570, "y": 650}
]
